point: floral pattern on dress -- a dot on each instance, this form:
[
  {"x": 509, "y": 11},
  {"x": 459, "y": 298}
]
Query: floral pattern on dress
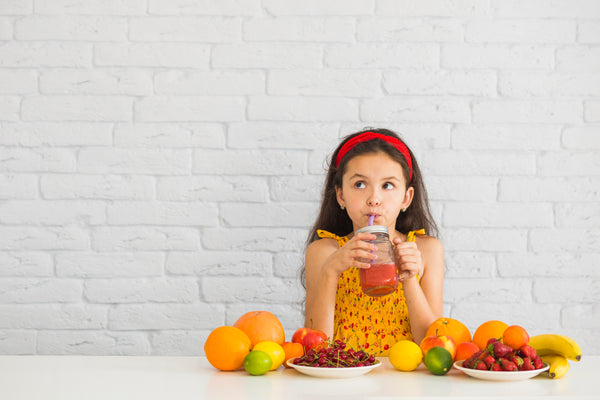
[{"x": 372, "y": 324}]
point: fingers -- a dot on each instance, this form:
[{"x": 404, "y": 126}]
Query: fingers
[{"x": 408, "y": 259}]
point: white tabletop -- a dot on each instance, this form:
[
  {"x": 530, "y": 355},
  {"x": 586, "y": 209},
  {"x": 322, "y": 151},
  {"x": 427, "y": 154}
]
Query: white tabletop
[{"x": 148, "y": 378}]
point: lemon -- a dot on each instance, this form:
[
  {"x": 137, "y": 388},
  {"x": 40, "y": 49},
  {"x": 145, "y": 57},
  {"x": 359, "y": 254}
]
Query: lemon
[
  {"x": 257, "y": 362},
  {"x": 438, "y": 360},
  {"x": 274, "y": 350},
  {"x": 406, "y": 355}
]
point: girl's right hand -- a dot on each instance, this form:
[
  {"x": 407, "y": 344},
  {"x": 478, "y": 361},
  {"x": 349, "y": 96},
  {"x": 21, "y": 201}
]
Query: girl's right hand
[{"x": 354, "y": 253}]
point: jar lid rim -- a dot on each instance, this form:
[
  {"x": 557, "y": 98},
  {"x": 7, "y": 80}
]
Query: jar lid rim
[{"x": 374, "y": 229}]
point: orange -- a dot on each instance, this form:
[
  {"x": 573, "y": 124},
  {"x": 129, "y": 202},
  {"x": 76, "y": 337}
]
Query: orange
[
  {"x": 465, "y": 350},
  {"x": 226, "y": 347},
  {"x": 515, "y": 337},
  {"x": 449, "y": 327},
  {"x": 292, "y": 350},
  {"x": 488, "y": 330},
  {"x": 261, "y": 326}
]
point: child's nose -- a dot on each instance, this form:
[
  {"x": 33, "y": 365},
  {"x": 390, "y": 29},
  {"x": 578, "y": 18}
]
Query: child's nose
[{"x": 373, "y": 200}]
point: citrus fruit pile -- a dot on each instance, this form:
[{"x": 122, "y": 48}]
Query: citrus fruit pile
[{"x": 253, "y": 342}]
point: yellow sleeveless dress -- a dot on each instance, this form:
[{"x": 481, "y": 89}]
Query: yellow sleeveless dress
[{"x": 372, "y": 324}]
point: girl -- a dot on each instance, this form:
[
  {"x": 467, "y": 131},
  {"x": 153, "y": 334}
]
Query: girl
[{"x": 373, "y": 174}]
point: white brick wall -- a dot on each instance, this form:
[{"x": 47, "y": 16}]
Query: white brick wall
[{"x": 161, "y": 161}]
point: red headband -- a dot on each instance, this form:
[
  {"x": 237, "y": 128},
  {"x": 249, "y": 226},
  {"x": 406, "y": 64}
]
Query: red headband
[{"x": 366, "y": 136}]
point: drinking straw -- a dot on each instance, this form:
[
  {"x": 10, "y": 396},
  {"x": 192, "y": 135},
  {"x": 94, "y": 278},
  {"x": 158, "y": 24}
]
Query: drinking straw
[{"x": 371, "y": 218}]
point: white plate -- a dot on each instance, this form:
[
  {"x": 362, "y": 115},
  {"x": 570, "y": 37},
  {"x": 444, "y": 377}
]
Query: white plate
[
  {"x": 348, "y": 372},
  {"x": 500, "y": 375}
]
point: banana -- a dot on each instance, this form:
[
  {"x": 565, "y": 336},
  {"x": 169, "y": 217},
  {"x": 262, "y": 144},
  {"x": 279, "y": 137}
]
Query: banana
[
  {"x": 549, "y": 344},
  {"x": 559, "y": 365}
]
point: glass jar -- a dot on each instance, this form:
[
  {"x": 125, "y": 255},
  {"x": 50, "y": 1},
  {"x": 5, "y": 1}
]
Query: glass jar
[{"x": 382, "y": 277}]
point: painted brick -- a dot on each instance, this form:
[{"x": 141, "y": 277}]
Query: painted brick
[
  {"x": 108, "y": 265},
  {"x": 521, "y": 31},
  {"x": 502, "y": 56},
  {"x": 103, "y": 187},
  {"x": 17, "y": 186},
  {"x": 185, "y": 7},
  {"x": 161, "y": 213},
  {"x": 76, "y": 108},
  {"x": 504, "y": 215},
  {"x": 434, "y": 8},
  {"x": 315, "y": 109},
  {"x": 210, "y": 83},
  {"x": 40, "y": 290},
  {"x": 38, "y": 160},
  {"x": 26, "y": 264},
  {"x": 460, "y": 83},
  {"x": 218, "y": 263},
  {"x": 44, "y": 212},
  {"x": 49, "y": 316},
  {"x": 93, "y": 343},
  {"x": 185, "y": 29},
  {"x": 166, "y": 316},
  {"x": 140, "y": 161},
  {"x": 182, "y": 55},
  {"x": 91, "y": 7},
  {"x": 384, "y": 29},
  {"x": 147, "y": 290},
  {"x": 144, "y": 238},
  {"x": 45, "y": 54},
  {"x": 209, "y": 135},
  {"x": 111, "y": 82},
  {"x": 213, "y": 188},
  {"x": 251, "y": 162},
  {"x": 382, "y": 56},
  {"x": 416, "y": 109},
  {"x": 299, "y": 29},
  {"x": 324, "y": 83},
  {"x": 316, "y": 7},
  {"x": 51, "y": 134},
  {"x": 84, "y": 28},
  {"x": 189, "y": 109},
  {"x": 277, "y": 55},
  {"x": 271, "y": 214}
]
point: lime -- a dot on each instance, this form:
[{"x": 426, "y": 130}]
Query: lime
[
  {"x": 405, "y": 355},
  {"x": 257, "y": 362},
  {"x": 438, "y": 360},
  {"x": 274, "y": 350}
]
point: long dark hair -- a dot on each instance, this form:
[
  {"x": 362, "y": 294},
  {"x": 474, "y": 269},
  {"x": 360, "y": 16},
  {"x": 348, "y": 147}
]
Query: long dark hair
[{"x": 335, "y": 220}]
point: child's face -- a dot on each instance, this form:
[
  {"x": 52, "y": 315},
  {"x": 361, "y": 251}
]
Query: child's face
[{"x": 374, "y": 184}]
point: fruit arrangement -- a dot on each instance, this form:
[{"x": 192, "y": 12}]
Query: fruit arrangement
[
  {"x": 335, "y": 356},
  {"x": 498, "y": 356},
  {"x": 256, "y": 342}
]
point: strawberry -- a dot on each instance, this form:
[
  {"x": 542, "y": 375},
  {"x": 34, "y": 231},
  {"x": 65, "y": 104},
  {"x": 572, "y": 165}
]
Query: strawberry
[
  {"x": 527, "y": 365},
  {"x": 491, "y": 340},
  {"x": 517, "y": 360},
  {"x": 480, "y": 365},
  {"x": 538, "y": 363},
  {"x": 489, "y": 360},
  {"x": 496, "y": 367},
  {"x": 528, "y": 351},
  {"x": 508, "y": 365},
  {"x": 499, "y": 349}
]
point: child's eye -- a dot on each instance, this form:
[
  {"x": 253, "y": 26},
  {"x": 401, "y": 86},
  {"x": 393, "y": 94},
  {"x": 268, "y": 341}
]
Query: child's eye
[
  {"x": 359, "y": 185},
  {"x": 388, "y": 185}
]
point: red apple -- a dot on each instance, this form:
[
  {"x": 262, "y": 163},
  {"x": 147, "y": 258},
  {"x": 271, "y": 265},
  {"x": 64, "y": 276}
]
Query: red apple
[
  {"x": 310, "y": 338},
  {"x": 438, "y": 341}
]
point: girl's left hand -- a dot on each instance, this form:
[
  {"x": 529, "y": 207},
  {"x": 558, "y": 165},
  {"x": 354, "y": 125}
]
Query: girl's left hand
[{"x": 408, "y": 259}]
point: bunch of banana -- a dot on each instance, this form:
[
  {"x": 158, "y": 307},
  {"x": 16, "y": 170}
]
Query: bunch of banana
[{"x": 556, "y": 350}]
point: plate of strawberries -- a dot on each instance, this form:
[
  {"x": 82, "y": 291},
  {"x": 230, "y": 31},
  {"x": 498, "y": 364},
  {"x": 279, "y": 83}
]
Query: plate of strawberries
[{"x": 499, "y": 362}]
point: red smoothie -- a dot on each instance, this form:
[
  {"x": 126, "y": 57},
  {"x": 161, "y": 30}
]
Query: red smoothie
[{"x": 379, "y": 280}]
